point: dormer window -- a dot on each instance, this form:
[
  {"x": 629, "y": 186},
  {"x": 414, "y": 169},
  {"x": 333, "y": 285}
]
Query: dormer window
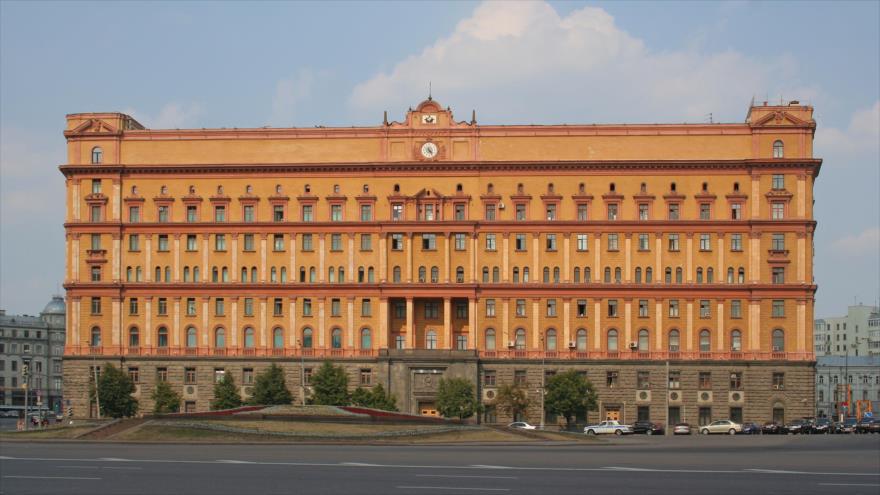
[
  {"x": 778, "y": 149},
  {"x": 582, "y": 189},
  {"x": 219, "y": 190},
  {"x": 519, "y": 188},
  {"x": 736, "y": 187},
  {"x": 134, "y": 190},
  {"x": 550, "y": 188},
  {"x": 97, "y": 155},
  {"x": 705, "y": 186},
  {"x": 490, "y": 188},
  {"x": 643, "y": 188}
]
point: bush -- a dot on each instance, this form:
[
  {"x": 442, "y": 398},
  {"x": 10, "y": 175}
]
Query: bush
[
  {"x": 226, "y": 394},
  {"x": 512, "y": 400},
  {"x": 270, "y": 389},
  {"x": 330, "y": 384},
  {"x": 166, "y": 399},
  {"x": 115, "y": 388},
  {"x": 569, "y": 394},
  {"x": 456, "y": 398},
  {"x": 374, "y": 398}
]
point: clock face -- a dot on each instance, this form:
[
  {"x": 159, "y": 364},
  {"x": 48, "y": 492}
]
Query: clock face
[{"x": 429, "y": 150}]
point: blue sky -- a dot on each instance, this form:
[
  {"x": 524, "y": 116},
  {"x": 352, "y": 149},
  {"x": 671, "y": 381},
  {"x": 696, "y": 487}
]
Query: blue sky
[{"x": 202, "y": 64}]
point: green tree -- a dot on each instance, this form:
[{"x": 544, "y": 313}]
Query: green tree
[
  {"x": 512, "y": 400},
  {"x": 456, "y": 398},
  {"x": 165, "y": 398},
  {"x": 270, "y": 389},
  {"x": 569, "y": 394},
  {"x": 226, "y": 394},
  {"x": 115, "y": 388},
  {"x": 330, "y": 384},
  {"x": 374, "y": 398}
]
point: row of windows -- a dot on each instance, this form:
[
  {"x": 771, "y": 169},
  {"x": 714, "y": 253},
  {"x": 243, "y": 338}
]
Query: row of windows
[
  {"x": 643, "y": 379},
  {"x": 851, "y": 378},
  {"x": 191, "y": 307},
  {"x": 190, "y": 376}
]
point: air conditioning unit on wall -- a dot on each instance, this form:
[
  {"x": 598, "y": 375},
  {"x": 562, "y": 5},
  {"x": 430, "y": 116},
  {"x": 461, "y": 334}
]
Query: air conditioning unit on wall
[
  {"x": 572, "y": 345},
  {"x": 643, "y": 396},
  {"x": 511, "y": 344},
  {"x": 489, "y": 394}
]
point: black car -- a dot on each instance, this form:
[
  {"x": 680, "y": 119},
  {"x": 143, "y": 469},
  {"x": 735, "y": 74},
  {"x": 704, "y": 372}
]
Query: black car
[
  {"x": 868, "y": 425},
  {"x": 648, "y": 428},
  {"x": 751, "y": 429},
  {"x": 848, "y": 425},
  {"x": 799, "y": 427},
  {"x": 773, "y": 428},
  {"x": 823, "y": 425}
]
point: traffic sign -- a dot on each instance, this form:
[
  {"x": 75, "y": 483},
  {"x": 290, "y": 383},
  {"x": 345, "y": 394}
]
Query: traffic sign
[{"x": 869, "y": 414}]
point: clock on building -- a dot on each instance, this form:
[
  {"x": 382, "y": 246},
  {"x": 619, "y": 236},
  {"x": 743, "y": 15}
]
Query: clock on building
[{"x": 429, "y": 150}]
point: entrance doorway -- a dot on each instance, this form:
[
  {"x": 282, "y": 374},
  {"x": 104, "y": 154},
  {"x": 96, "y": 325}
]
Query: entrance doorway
[
  {"x": 428, "y": 409},
  {"x": 612, "y": 413}
]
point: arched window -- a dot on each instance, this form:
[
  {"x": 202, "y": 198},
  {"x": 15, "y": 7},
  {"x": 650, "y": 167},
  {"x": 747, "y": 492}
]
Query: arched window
[
  {"x": 249, "y": 338},
  {"x": 617, "y": 275},
  {"x": 612, "y": 340},
  {"x": 96, "y": 337},
  {"x": 516, "y": 274},
  {"x": 167, "y": 274},
  {"x": 307, "y": 338},
  {"x": 283, "y": 275},
  {"x": 158, "y": 276},
  {"x": 435, "y": 274},
  {"x": 134, "y": 337},
  {"x": 361, "y": 274},
  {"x": 244, "y": 273},
  {"x": 313, "y": 275},
  {"x": 273, "y": 274},
  {"x": 736, "y": 341},
  {"x": 215, "y": 274},
  {"x": 371, "y": 275},
  {"x": 778, "y": 149},
  {"x": 336, "y": 338},
  {"x": 678, "y": 275},
  {"x": 278, "y": 338},
  {"x": 710, "y": 275},
  {"x": 546, "y": 278},
  {"x": 778, "y": 340},
  {"x": 139, "y": 275},
  {"x": 331, "y": 274},
  {"x": 225, "y": 274},
  {"x": 674, "y": 343},
  {"x": 459, "y": 275},
  {"x": 128, "y": 274},
  {"x": 644, "y": 345},
  {"x": 550, "y": 344},
  {"x": 555, "y": 274},
  {"x": 730, "y": 275},
  {"x": 341, "y": 272},
  {"x": 525, "y": 274},
  {"x": 741, "y": 275},
  {"x": 191, "y": 337},
  {"x": 699, "y": 275},
  {"x": 581, "y": 341},
  {"x": 431, "y": 340},
  {"x": 496, "y": 275},
  {"x": 520, "y": 342},
  {"x": 186, "y": 274},
  {"x": 395, "y": 274},
  {"x": 302, "y": 274},
  {"x": 220, "y": 338},
  {"x": 97, "y": 155},
  {"x": 366, "y": 340},
  {"x": 607, "y": 277},
  {"x": 638, "y": 274},
  {"x": 667, "y": 275},
  {"x": 577, "y": 275},
  {"x": 705, "y": 341},
  {"x": 649, "y": 275},
  {"x": 162, "y": 337},
  {"x": 485, "y": 274},
  {"x": 490, "y": 339},
  {"x": 587, "y": 275}
]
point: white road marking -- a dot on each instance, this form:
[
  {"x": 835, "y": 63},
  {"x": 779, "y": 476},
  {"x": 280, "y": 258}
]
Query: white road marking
[
  {"x": 360, "y": 464},
  {"x": 98, "y": 467},
  {"x": 849, "y": 484},
  {"x": 434, "y": 467},
  {"x": 465, "y": 476},
  {"x": 51, "y": 477},
  {"x": 460, "y": 488}
]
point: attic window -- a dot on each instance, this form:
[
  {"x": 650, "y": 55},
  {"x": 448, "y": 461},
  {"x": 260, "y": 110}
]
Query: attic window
[
  {"x": 519, "y": 188},
  {"x": 672, "y": 187},
  {"x": 134, "y": 190},
  {"x": 490, "y": 188},
  {"x": 219, "y": 190},
  {"x": 308, "y": 188},
  {"x": 397, "y": 188},
  {"x": 643, "y": 187},
  {"x": 192, "y": 189},
  {"x": 366, "y": 188},
  {"x": 248, "y": 189},
  {"x": 736, "y": 187},
  {"x": 277, "y": 188},
  {"x": 335, "y": 188},
  {"x": 550, "y": 187},
  {"x": 458, "y": 188},
  {"x": 612, "y": 187},
  {"x": 163, "y": 190},
  {"x": 705, "y": 186},
  {"x": 581, "y": 188},
  {"x": 97, "y": 155},
  {"x": 778, "y": 149}
]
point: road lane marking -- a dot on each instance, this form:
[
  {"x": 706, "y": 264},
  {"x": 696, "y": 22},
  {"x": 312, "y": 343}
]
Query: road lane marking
[
  {"x": 849, "y": 484},
  {"x": 460, "y": 488},
  {"x": 465, "y": 476},
  {"x": 233, "y": 461},
  {"x": 51, "y": 477},
  {"x": 98, "y": 467}
]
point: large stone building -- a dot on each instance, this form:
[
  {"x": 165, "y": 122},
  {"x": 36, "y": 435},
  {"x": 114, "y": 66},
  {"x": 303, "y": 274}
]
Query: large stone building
[
  {"x": 856, "y": 334},
  {"x": 842, "y": 381},
  {"x": 433, "y": 247},
  {"x": 37, "y": 341}
]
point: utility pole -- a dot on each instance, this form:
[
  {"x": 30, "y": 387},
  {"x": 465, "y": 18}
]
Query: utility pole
[
  {"x": 666, "y": 430},
  {"x": 25, "y": 375}
]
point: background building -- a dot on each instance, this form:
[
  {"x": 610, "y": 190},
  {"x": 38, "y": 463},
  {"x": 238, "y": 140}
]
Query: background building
[
  {"x": 38, "y": 340},
  {"x": 856, "y": 334},
  {"x": 861, "y": 373},
  {"x": 430, "y": 248}
]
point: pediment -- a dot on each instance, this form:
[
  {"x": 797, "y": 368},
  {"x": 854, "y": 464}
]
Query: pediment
[
  {"x": 94, "y": 126},
  {"x": 779, "y": 118},
  {"x": 428, "y": 193}
]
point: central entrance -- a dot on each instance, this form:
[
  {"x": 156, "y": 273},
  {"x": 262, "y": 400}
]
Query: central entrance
[
  {"x": 428, "y": 409},
  {"x": 612, "y": 413}
]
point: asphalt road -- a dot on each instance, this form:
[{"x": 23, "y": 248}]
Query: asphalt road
[{"x": 639, "y": 465}]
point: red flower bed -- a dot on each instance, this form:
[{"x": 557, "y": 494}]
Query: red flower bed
[
  {"x": 375, "y": 413},
  {"x": 208, "y": 414}
]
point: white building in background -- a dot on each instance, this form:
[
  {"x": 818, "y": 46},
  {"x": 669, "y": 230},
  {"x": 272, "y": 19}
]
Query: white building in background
[
  {"x": 862, "y": 373},
  {"x": 856, "y": 334}
]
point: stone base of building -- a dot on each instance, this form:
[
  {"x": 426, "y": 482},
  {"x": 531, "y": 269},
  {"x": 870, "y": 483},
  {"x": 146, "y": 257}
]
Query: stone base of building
[{"x": 413, "y": 376}]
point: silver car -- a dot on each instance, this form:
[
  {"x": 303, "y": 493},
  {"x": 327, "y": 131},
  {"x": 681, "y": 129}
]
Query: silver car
[{"x": 722, "y": 426}]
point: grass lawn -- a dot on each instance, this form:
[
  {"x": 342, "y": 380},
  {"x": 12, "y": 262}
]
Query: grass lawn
[
  {"x": 158, "y": 433},
  {"x": 306, "y": 428},
  {"x": 54, "y": 432}
]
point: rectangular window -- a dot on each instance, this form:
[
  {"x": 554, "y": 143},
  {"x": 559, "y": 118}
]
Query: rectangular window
[
  {"x": 163, "y": 214},
  {"x": 397, "y": 212},
  {"x": 520, "y": 307},
  {"x": 612, "y": 211},
  {"x": 778, "y": 181},
  {"x": 192, "y": 212},
  {"x": 366, "y": 377},
  {"x": 190, "y": 306},
  {"x": 778, "y": 381},
  {"x": 220, "y": 242},
  {"x": 778, "y": 210},
  {"x": 248, "y": 244},
  {"x": 134, "y": 214},
  {"x": 134, "y": 375},
  {"x": 249, "y": 306},
  {"x": 429, "y": 242},
  {"x": 705, "y": 380},
  {"x": 219, "y": 213},
  {"x": 489, "y": 378},
  {"x": 551, "y": 212},
  {"x": 613, "y": 242},
  {"x": 134, "y": 242},
  {"x": 611, "y": 379},
  {"x": 644, "y": 242},
  {"x": 490, "y": 242},
  {"x": 397, "y": 242},
  {"x": 705, "y": 415},
  {"x": 96, "y": 274},
  {"x": 189, "y": 376},
  {"x": 95, "y": 213},
  {"x": 162, "y": 244},
  {"x": 673, "y": 308},
  {"x": 778, "y": 308},
  {"x": 461, "y": 310},
  {"x": 674, "y": 380},
  {"x": 432, "y": 310},
  {"x": 520, "y": 242},
  {"x": 96, "y": 186},
  {"x": 248, "y": 213},
  {"x": 705, "y": 312},
  {"x": 366, "y": 307},
  {"x": 307, "y": 307},
  {"x": 278, "y": 242},
  {"x": 460, "y": 242},
  {"x": 459, "y": 212},
  {"x": 307, "y": 244},
  {"x": 308, "y": 214},
  {"x": 96, "y": 305},
  {"x": 736, "y": 242},
  {"x": 582, "y": 212},
  {"x": 95, "y": 242},
  {"x": 219, "y": 373},
  {"x": 643, "y": 380},
  {"x": 277, "y": 306},
  {"x": 582, "y": 242},
  {"x": 582, "y": 308},
  {"x": 778, "y": 275},
  {"x": 551, "y": 242},
  {"x": 247, "y": 376},
  {"x": 643, "y": 308},
  {"x": 428, "y": 213},
  {"x": 219, "y": 307},
  {"x": 520, "y": 379},
  {"x": 612, "y": 308},
  {"x": 674, "y": 212},
  {"x": 736, "y": 380},
  {"x": 736, "y": 308},
  {"x": 335, "y": 213},
  {"x": 736, "y": 211},
  {"x": 673, "y": 242},
  {"x": 161, "y": 374},
  {"x": 490, "y": 212},
  {"x": 277, "y": 213},
  {"x": 705, "y": 242},
  {"x": 192, "y": 243},
  {"x": 643, "y": 211},
  {"x": 490, "y": 307},
  {"x": 778, "y": 242},
  {"x": 335, "y": 242},
  {"x": 366, "y": 213},
  {"x": 335, "y": 307},
  {"x": 551, "y": 307},
  {"x": 400, "y": 310},
  {"x": 705, "y": 211},
  {"x": 520, "y": 211},
  {"x": 366, "y": 242}
]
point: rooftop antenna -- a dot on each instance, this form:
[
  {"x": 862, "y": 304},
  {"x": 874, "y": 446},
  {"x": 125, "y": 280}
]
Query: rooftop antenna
[
  {"x": 429, "y": 91},
  {"x": 710, "y": 118}
]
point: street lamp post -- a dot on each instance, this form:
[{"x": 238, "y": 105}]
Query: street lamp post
[{"x": 95, "y": 371}]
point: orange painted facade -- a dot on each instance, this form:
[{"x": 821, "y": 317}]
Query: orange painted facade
[{"x": 519, "y": 242}]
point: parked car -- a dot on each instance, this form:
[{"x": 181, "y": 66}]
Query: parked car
[
  {"x": 868, "y": 425},
  {"x": 648, "y": 428},
  {"x": 608, "y": 427},
  {"x": 799, "y": 427},
  {"x": 522, "y": 425},
  {"x": 823, "y": 426},
  {"x": 773, "y": 428},
  {"x": 751, "y": 429},
  {"x": 722, "y": 426},
  {"x": 681, "y": 429},
  {"x": 848, "y": 425}
]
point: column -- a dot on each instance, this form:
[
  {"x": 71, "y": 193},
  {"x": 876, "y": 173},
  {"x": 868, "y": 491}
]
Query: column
[
  {"x": 801, "y": 195},
  {"x": 721, "y": 332},
  {"x": 536, "y": 266},
  {"x": 658, "y": 314},
  {"x": 473, "y": 257},
  {"x": 263, "y": 258},
  {"x": 409, "y": 259},
  {"x": 205, "y": 329},
  {"x": 447, "y": 324},
  {"x": 263, "y": 337},
  {"x": 755, "y": 197},
  {"x": 350, "y": 313},
  {"x": 292, "y": 332},
  {"x": 627, "y": 265},
  {"x": 293, "y": 273},
  {"x": 383, "y": 260},
  {"x": 74, "y": 191},
  {"x": 205, "y": 270},
  {"x": 536, "y": 323},
  {"x": 234, "y": 342},
  {"x": 801, "y": 343},
  {"x": 566, "y": 323},
  {"x": 321, "y": 273},
  {"x": 148, "y": 250},
  {"x": 410, "y": 330},
  {"x": 234, "y": 268},
  {"x": 176, "y": 257},
  {"x": 473, "y": 337},
  {"x": 176, "y": 324},
  {"x": 720, "y": 272},
  {"x": 597, "y": 332},
  {"x": 115, "y": 313},
  {"x": 321, "y": 323},
  {"x": 75, "y": 258},
  {"x": 383, "y": 323},
  {"x": 505, "y": 324},
  {"x": 754, "y": 343},
  {"x": 597, "y": 268},
  {"x": 658, "y": 264},
  {"x": 505, "y": 257},
  {"x": 447, "y": 256},
  {"x": 566, "y": 260},
  {"x": 115, "y": 201},
  {"x": 117, "y": 257},
  {"x": 689, "y": 275},
  {"x": 754, "y": 257},
  {"x": 802, "y": 257},
  {"x": 351, "y": 273},
  {"x": 627, "y": 321},
  {"x": 689, "y": 333}
]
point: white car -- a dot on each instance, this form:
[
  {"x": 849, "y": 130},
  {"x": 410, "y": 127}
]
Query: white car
[
  {"x": 607, "y": 428},
  {"x": 722, "y": 426},
  {"x": 522, "y": 425}
]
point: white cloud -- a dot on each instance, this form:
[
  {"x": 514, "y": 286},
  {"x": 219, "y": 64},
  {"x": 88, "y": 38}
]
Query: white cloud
[
  {"x": 523, "y": 59},
  {"x": 861, "y": 137},
  {"x": 289, "y": 94},
  {"x": 171, "y": 116},
  {"x": 865, "y": 242}
]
